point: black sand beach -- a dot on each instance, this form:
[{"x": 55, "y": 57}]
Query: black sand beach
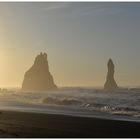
[{"x": 37, "y": 125}]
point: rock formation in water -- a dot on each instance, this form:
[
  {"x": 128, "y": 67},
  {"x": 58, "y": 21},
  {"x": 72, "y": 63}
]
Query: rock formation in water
[
  {"x": 38, "y": 77},
  {"x": 110, "y": 83}
]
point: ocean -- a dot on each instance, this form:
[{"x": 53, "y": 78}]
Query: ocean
[{"x": 123, "y": 104}]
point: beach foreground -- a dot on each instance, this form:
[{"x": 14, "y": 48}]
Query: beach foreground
[{"x": 37, "y": 125}]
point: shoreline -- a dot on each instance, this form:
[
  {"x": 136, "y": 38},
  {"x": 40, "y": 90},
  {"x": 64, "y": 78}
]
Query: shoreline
[{"x": 38, "y": 125}]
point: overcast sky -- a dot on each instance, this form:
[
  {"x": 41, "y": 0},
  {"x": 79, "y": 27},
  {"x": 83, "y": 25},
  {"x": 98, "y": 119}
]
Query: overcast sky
[{"x": 79, "y": 38}]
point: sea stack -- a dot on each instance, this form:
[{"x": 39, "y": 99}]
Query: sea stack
[
  {"x": 38, "y": 77},
  {"x": 110, "y": 83}
]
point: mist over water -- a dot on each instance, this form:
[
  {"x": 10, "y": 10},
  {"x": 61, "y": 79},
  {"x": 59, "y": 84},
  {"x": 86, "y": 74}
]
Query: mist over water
[{"x": 123, "y": 102}]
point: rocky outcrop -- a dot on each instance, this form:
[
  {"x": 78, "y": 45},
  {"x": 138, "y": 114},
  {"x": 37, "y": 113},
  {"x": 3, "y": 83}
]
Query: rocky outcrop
[
  {"x": 110, "y": 83},
  {"x": 38, "y": 77}
]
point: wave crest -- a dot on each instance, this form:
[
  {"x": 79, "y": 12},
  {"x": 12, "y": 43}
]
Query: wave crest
[{"x": 61, "y": 101}]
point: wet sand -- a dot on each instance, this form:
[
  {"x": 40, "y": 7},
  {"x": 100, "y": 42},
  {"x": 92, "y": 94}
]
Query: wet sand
[{"x": 36, "y": 125}]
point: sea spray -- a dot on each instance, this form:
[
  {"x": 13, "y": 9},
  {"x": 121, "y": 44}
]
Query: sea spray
[{"x": 120, "y": 102}]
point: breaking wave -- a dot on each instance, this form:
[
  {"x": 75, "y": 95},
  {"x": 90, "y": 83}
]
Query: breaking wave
[
  {"x": 125, "y": 102},
  {"x": 63, "y": 101}
]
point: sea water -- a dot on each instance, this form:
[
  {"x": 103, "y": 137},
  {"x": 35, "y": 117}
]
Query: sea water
[{"x": 122, "y": 103}]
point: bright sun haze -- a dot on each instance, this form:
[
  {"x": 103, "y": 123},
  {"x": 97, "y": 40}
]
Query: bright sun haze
[{"x": 79, "y": 38}]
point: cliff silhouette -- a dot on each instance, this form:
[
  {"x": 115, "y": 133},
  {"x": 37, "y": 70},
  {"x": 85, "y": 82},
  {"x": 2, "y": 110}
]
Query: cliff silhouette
[
  {"x": 38, "y": 77},
  {"x": 110, "y": 83}
]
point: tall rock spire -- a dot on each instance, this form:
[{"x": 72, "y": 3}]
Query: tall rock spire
[
  {"x": 110, "y": 83},
  {"x": 38, "y": 77}
]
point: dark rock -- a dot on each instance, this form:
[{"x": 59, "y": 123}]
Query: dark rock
[
  {"x": 38, "y": 77},
  {"x": 110, "y": 83}
]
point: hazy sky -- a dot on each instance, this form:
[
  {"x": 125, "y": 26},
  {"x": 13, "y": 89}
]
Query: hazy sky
[{"x": 79, "y": 38}]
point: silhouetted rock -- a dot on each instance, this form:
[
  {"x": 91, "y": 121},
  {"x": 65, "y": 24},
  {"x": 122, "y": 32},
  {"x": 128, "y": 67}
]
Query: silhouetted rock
[
  {"x": 110, "y": 83},
  {"x": 38, "y": 77}
]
